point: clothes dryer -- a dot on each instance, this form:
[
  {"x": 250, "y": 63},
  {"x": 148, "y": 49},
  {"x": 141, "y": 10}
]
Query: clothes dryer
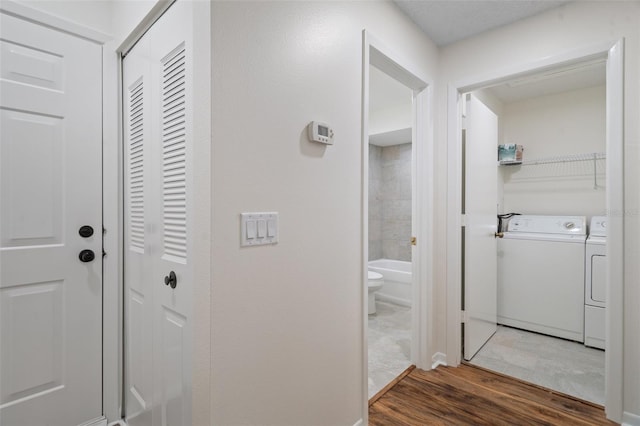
[
  {"x": 595, "y": 288},
  {"x": 541, "y": 275}
]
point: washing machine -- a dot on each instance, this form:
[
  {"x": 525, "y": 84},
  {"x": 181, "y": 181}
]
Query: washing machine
[
  {"x": 541, "y": 275},
  {"x": 595, "y": 283}
]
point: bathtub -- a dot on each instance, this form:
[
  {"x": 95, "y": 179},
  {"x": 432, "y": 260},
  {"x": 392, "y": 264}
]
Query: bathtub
[{"x": 397, "y": 280}]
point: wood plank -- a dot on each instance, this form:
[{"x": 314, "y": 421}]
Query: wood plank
[
  {"x": 385, "y": 389},
  {"x": 468, "y": 395}
]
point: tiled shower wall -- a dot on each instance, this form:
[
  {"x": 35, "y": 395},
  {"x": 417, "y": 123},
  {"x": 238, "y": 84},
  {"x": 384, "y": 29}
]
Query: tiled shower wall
[{"x": 390, "y": 202}]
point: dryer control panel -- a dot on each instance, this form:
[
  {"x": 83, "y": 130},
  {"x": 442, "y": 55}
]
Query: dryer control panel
[{"x": 598, "y": 226}]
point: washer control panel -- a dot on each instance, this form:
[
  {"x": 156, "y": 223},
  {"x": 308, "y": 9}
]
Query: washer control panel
[{"x": 571, "y": 225}]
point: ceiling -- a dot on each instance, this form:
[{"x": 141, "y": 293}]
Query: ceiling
[{"x": 446, "y": 22}]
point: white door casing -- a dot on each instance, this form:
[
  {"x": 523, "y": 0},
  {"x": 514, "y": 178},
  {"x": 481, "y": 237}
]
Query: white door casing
[
  {"x": 157, "y": 86},
  {"x": 480, "y": 248},
  {"x": 50, "y": 161}
]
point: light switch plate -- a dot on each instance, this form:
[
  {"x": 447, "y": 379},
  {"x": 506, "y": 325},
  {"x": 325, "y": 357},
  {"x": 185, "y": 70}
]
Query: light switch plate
[{"x": 258, "y": 228}]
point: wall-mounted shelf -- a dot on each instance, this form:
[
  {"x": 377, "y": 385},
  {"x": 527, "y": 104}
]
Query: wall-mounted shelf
[
  {"x": 573, "y": 158},
  {"x": 594, "y": 156}
]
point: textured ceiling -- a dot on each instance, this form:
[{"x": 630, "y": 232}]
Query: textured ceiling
[{"x": 446, "y": 22}]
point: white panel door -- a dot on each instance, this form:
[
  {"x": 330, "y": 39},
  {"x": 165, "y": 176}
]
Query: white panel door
[
  {"x": 481, "y": 200},
  {"x": 50, "y": 186},
  {"x": 157, "y": 95}
]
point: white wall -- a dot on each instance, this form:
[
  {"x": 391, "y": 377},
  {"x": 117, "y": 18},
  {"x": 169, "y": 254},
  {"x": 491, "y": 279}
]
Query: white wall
[
  {"x": 127, "y": 14},
  {"x": 552, "y": 33},
  {"x": 562, "y": 124},
  {"x": 287, "y": 319},
  {"x": 390, "y": 103},
  {"x": 395, "y": 117}
]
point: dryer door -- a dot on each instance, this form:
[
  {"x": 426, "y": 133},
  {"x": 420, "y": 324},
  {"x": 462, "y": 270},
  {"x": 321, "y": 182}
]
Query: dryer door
[{"x": 598, "y": 280}]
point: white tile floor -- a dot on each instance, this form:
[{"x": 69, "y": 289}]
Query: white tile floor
[
  {"x": 557, "y": 364},
  {"x": 389, "y": 341}
]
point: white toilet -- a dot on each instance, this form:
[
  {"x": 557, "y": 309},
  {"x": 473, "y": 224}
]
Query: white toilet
[{"x": 374, "y": 283}]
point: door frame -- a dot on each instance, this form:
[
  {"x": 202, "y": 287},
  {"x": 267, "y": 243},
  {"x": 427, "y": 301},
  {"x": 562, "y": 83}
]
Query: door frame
[
  {"x": 109, "y": 263},
  {"x": 375, "y": 52},
  {"x": 613, "y": 53}
]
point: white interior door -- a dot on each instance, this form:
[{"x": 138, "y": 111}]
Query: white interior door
[
  {"x": 50, "y": 187},
  {"x": 480, "y": 248},
  {"x": 157, "y": 104}
]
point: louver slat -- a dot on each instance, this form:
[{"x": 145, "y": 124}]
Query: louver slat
[
  {"x": 174, "y": 155},
  {"x": 136, "y": 167}
]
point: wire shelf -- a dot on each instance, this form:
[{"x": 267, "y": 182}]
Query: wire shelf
[
  {"x": 588, "y": 164},
  {"x": 566, "y": 159}
]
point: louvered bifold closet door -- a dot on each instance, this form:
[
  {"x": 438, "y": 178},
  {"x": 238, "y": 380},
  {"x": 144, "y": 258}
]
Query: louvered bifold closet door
[{"x": 158, "y": 190}]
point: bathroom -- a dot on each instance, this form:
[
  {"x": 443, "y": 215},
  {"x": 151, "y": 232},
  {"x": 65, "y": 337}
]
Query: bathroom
[{"x": 390, "y": 230}]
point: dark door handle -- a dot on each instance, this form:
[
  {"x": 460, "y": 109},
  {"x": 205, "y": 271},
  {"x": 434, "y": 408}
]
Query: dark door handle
[
  {"x": 171, "y": 280},
  {"x": 85, "y": 231},
  {"x": 86, "y": 256}
]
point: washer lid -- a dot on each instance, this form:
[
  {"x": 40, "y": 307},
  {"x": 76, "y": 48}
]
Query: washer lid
[
  {"x": 598, "y": 226},
  {"x": 565, "y": 225}
]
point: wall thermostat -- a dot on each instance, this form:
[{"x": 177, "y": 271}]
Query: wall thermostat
[{"x": 320, "y": 132}]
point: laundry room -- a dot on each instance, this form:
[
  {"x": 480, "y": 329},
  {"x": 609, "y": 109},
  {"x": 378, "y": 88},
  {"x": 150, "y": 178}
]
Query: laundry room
[{"x": 550, "y": 203}]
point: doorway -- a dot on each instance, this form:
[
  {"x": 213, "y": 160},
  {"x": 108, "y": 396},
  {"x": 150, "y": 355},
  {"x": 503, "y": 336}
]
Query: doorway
[
  {"x": 612, "y": 56},
  {"x": 418, "y": 130},
  {"x": 390, "y": 227},
  {"x": 558, "y": 119}
]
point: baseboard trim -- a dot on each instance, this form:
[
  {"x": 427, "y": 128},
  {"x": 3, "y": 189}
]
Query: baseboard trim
[
  {"x": 438, "y": 359},
  {"x": 629, "y": 419},
  {"x": 359, "y": 423},
  {"x": 392, "y": 299}
]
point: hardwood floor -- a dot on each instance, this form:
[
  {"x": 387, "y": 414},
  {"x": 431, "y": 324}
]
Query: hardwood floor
[{"x": 469, "y": 395}]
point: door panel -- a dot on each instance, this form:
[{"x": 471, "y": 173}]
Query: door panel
[
  {"x": 37, "y": 308},
  {"x": 138, "y": 285},
  {"x": 481, "y": 199},
  {"x": 157, "y": 82},
  {"x": 175, "y": 381},
  {"x": 50, "y": 186},
  {"x": 32, "y": 158}
]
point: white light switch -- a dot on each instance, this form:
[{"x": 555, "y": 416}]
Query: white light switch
[
  {"x": 258, "y": 228},
  {"x": 262, "y": 228},
  {"x": 251, "y": 229},
  {"x": 271, "y": 228}
]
